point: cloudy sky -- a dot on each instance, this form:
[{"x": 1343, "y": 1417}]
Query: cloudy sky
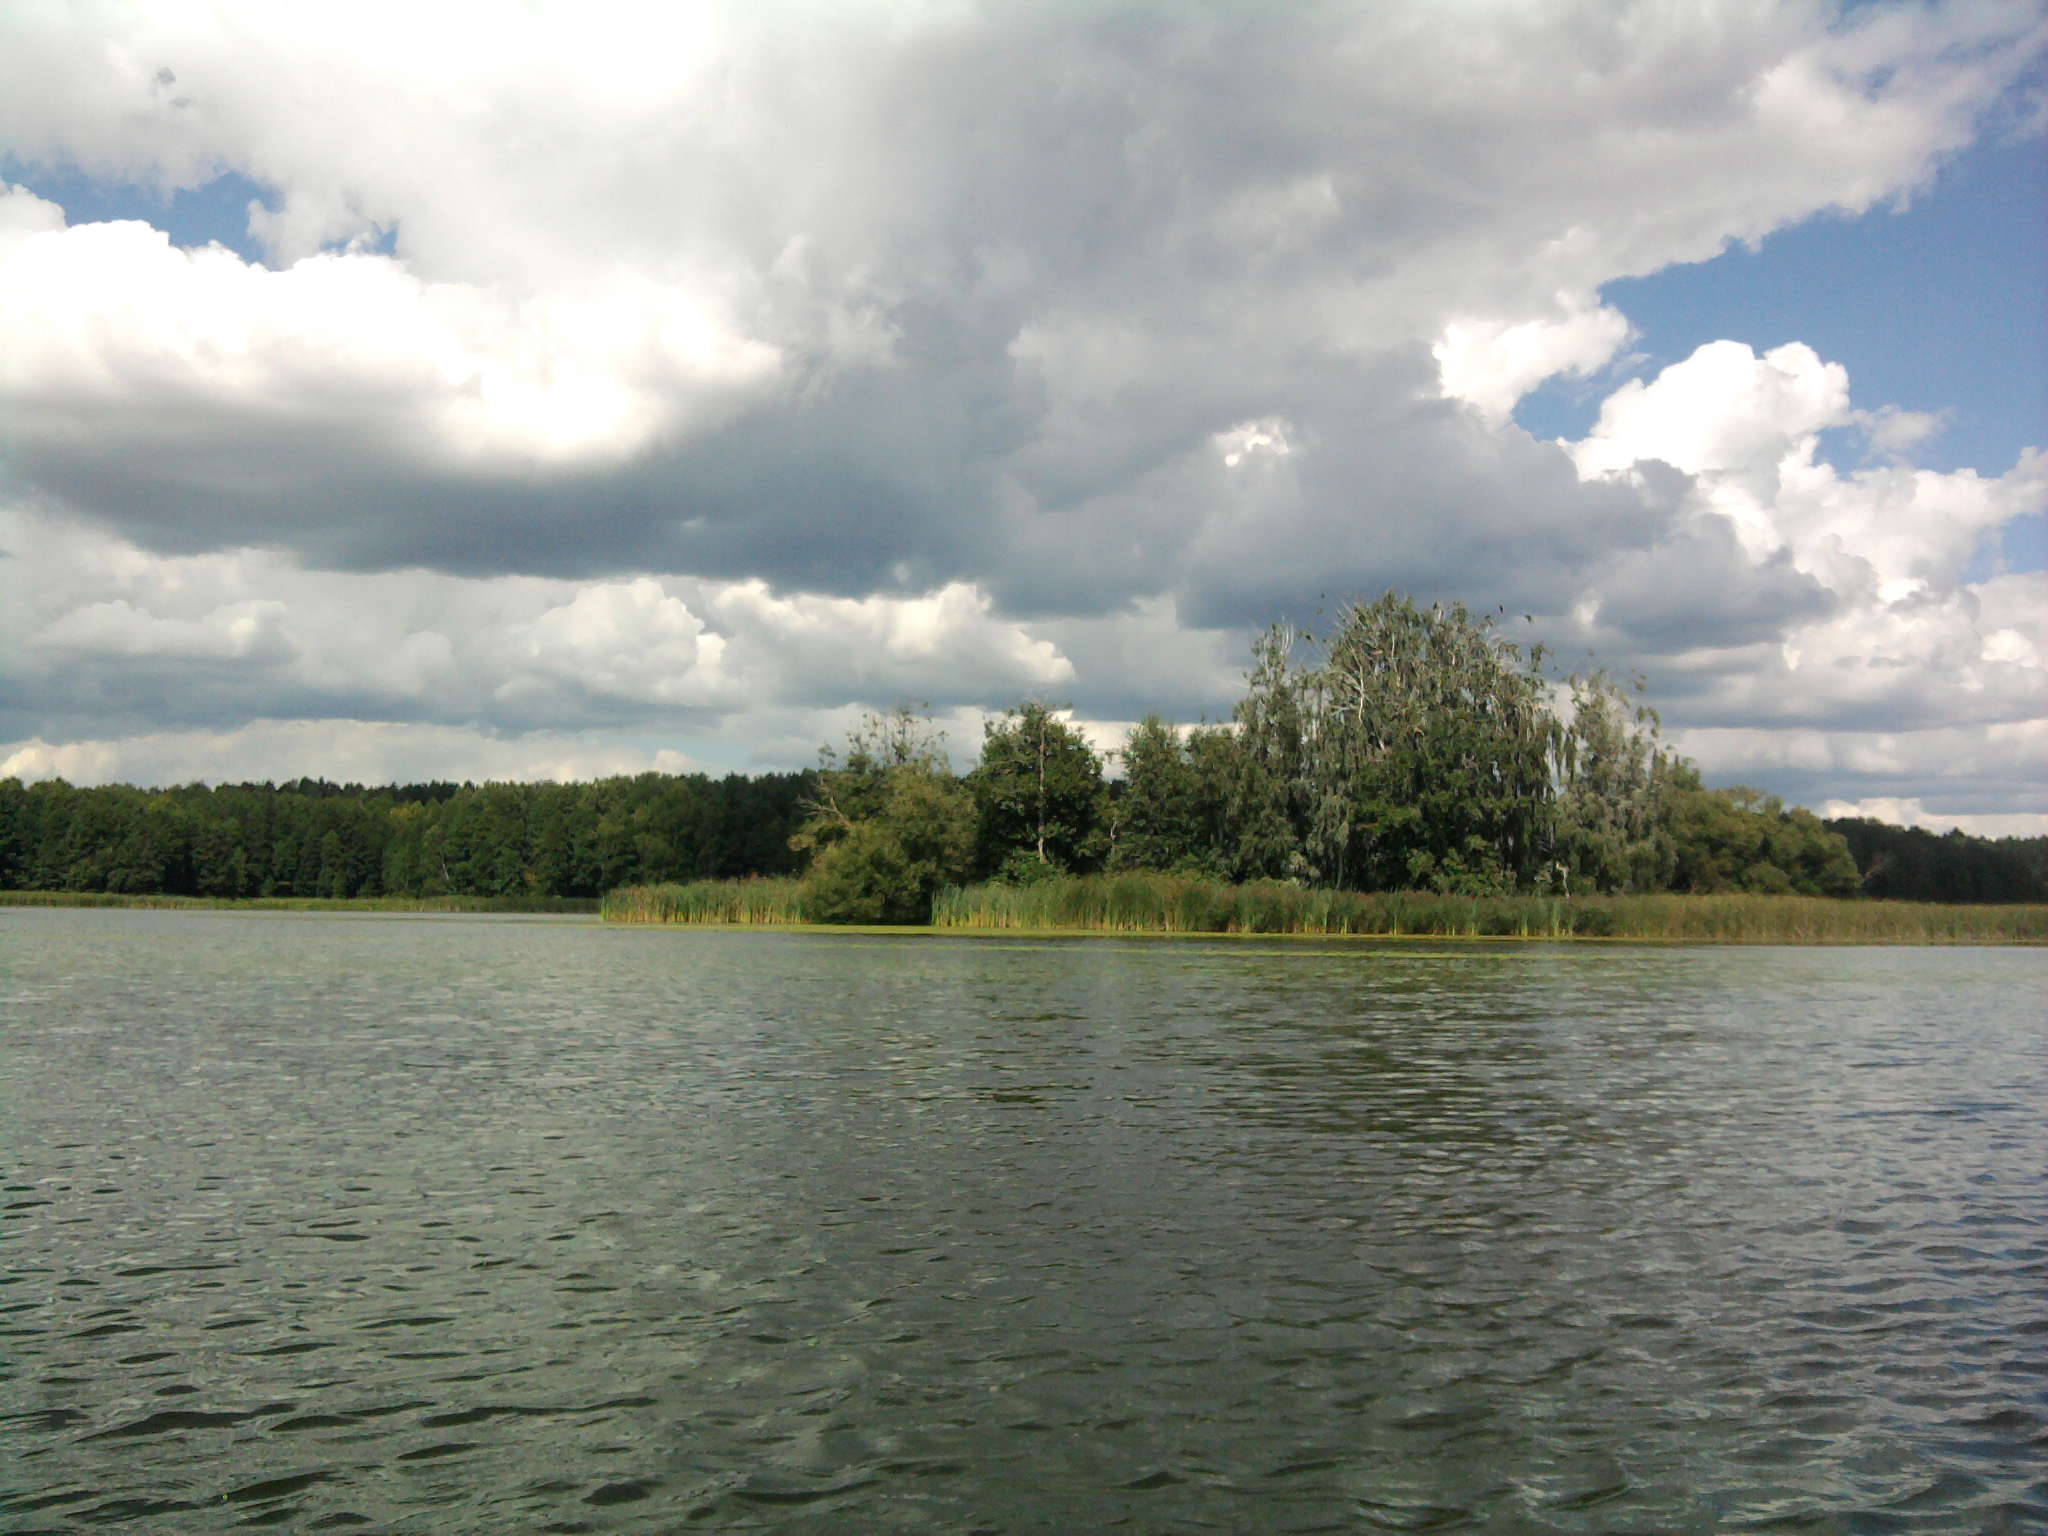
[{"x": 392, "y": 391}]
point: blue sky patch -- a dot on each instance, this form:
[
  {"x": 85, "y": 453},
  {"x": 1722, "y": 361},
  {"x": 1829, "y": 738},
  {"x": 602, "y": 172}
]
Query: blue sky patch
[
  {"x": 197, "y": 216},
  {"x": 1941, "y": 307}
]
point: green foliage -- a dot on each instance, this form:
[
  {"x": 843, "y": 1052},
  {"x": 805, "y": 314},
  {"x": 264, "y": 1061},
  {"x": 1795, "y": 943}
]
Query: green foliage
[
  {"x": 888, "y": 825},
  {"x": 887, "y": 869},
  {"x": 1262, "y": 772},
  {"x": 1038, "y": 795},
  {"x": 1914, "y": 864},
  {"x": 1156, "y": 818},
  {"x": 309, "y": 839},
  {"x": 1739, "y": 839},
  {"x": 1433, "y": 765},
  {"x": 1613, "y": 783},
  {"x": 1409, "y": 750},
  {"x": 1154, "y": 903}
]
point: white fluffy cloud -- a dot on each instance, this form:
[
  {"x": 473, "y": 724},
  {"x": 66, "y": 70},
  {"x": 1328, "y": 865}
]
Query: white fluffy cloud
[
  {"x": 1492, "y": 364},
  {"x": 664, "y": 293},
  {"x": 1898, "y": 634},
  {"x": 1989, "y": 772},
  {"x": 628, "y": 640},
  {"x": 88, "y": 620},
  {"x": 1904, "y": 673},
  {"x": 446, "y": 376},
  {"x": 716, "y": 370}
]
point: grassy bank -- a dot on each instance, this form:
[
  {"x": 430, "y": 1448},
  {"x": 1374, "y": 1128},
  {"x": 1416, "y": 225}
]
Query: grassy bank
[
  {"x": 1166, "y": 904},
  {"x": 744, "y": 903},
  {"x": 1163, "y": 904},
  {"x": 568, "y": 904}
]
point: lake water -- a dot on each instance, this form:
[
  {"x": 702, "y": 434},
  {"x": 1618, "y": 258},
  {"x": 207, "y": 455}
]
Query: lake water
[{"x": 503, "y": 1226}]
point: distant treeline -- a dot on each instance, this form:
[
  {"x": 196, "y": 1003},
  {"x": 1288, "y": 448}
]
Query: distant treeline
[
  {"x": 1411, "y": 749},
  {"x": 310, "y": 838},
  {"x": 1913, "y": 864}
]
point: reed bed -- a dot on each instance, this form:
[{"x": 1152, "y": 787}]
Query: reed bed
[
  {"x": 1166, "y": 904},
  {"x": 1150, "y": 903},
  {"x": 558, "y": 904},
  {"x": 739, "y": 903}
]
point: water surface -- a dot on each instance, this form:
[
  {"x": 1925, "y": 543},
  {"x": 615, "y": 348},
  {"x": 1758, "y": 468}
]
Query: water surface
[{"x": 482, "y": 1225}]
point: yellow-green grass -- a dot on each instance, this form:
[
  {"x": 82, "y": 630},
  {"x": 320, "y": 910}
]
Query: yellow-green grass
[
  {"x": 567, "y": 904},
  {"x": 1166, "y": 904},
  {"x": 740, "y": 903}
]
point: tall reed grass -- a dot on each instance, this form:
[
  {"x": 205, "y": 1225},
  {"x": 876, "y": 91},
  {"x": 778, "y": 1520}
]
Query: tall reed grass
[
  {"x": 1145, "y": 903},
  {"x": 744, "y": 903},
  {"x": 1150, "y": 903}
]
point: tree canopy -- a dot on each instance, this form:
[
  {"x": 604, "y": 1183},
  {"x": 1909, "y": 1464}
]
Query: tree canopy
[
  {"x": 1038, "y": 796},
  {"x": 888, "y": 825}
]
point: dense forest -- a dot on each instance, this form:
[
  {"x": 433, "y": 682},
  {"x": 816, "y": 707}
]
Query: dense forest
[
  {"x": 1913, "y": 864},
  {"x": 1412, "y": 749},
  {"x": 311, "y": 838}
]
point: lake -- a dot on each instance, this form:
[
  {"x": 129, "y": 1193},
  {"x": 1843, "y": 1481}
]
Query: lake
[{"x": 443, "y": 1224}]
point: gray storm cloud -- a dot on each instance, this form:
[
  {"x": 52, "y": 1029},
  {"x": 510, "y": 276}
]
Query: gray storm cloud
[{"x": 795, "y": 361}]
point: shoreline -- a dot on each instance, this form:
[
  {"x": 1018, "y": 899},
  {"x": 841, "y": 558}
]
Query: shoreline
[
  {"x": 1656, "y": 941},
  {"x": 1821, "y": 924},
  {"x": 568, "y": 906},
  {"x": 1169, "y": 906}
]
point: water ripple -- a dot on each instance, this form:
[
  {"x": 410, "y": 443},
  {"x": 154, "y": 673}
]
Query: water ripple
[{"x": 486, "y": 1227}]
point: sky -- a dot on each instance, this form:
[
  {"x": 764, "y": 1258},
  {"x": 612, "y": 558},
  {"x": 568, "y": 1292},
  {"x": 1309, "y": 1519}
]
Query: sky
[{"x": 472, "y": 391}]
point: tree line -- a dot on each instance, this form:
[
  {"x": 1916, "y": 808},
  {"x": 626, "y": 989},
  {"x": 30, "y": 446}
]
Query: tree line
[
  {"x": 1410, "y": 749},
  {"x": 1914, "y": 864},
  {"x": 313, "y": 838}
]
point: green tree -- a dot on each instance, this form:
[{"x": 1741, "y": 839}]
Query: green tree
[
  {"x": 1433, "y": 737},
  {"x": 1411, "y": 749},
  {"x": 888, "y": 867},
  {"x": 16, "y": 834},
  {"x": 1264, "y": 770},
  {"x": 1038, "y": 796},
  {"x": 1914, "y": 864},
  {"x": 758, "y": 815},
  {"x": 1613, "y": 778},
  {"x": 1740, "y": 839},
  {"x": 1156, "y": 813},
  {"x": 887, "y": 827}
]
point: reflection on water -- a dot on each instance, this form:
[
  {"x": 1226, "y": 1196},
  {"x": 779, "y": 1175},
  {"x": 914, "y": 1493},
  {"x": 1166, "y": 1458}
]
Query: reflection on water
[{"x": 482, "y": 1225}]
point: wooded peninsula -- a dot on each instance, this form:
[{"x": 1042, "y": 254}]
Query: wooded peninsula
[{"x": 1413, "y": 754}]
